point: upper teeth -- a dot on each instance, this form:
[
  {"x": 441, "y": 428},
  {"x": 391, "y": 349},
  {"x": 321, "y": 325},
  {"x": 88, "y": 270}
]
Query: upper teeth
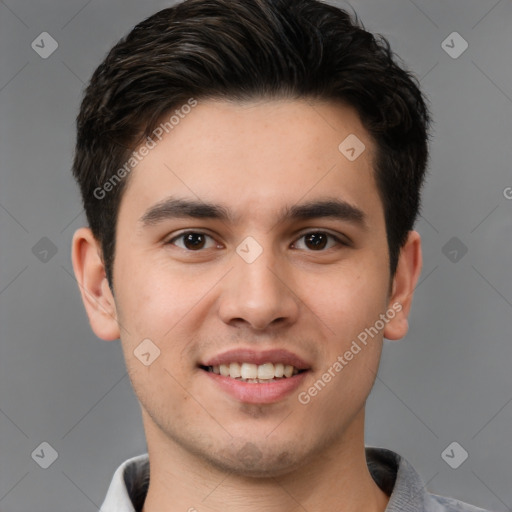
[{"x": 265, "y": 371}]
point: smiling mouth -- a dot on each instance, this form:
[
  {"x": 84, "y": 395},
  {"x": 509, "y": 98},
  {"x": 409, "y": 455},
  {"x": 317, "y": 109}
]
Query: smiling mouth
[{"x": 254, "y": 373}]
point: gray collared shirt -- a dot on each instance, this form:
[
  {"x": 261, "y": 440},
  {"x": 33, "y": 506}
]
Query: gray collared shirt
[{"x": 392, "y": 473}]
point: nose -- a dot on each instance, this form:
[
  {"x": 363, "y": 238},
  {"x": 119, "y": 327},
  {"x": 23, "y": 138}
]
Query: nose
[{"x": 258, "y": 295}]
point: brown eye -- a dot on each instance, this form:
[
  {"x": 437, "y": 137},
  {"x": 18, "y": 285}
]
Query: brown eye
[
  {"x": 316, "y": 241},
  {"x": 193, "y": 241}
]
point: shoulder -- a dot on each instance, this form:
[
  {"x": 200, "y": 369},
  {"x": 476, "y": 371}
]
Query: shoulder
[
  {"x": 442, "y": 504},
  {"x": 406, "y": 489}
]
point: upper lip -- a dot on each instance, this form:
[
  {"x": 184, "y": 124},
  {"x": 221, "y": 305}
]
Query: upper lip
[{"x": 247, "y": 355}]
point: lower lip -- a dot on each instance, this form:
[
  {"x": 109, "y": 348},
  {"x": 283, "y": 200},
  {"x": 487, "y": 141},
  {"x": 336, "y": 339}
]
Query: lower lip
[{"x": 255, "y": 393}]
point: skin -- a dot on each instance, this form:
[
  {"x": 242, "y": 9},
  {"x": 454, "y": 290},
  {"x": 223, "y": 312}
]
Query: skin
[{"x": 209, "y": 451}]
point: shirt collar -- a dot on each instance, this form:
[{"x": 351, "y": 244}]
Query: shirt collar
[
  {"x": 392, "y": 473},
  {"x": 129, "y": 486},
  {"x": 398, "y": 479}
]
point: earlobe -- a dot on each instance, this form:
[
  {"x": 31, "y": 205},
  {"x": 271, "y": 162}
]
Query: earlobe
[
  {"x": 404, "y": 282},
  {"x": 91, "y": 278}
]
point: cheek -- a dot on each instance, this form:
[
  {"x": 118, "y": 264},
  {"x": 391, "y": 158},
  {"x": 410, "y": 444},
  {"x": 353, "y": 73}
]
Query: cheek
[
  {"x": 351, "y": 301},
  {"x": 167, "y": 308},
  {"x": 153, "y": 299}
]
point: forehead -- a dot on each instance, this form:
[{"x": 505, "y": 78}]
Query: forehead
[{"x": 262, "y": 155}]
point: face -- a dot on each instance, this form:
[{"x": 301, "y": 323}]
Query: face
[{"x": 252, "y": 253}]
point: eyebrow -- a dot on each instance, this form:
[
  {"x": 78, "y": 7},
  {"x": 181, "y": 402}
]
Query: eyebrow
[
  {"x": 330, "y": 208},
  {"x": 173, "y": 208}
]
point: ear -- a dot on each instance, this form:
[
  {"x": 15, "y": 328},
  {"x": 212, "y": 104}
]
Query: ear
[
  {"x": 404, "y": 282},
  {"x": 86, "y": 255}
]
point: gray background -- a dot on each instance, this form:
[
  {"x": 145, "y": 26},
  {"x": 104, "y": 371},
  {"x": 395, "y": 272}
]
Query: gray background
[{"x": 449, "y": 380}]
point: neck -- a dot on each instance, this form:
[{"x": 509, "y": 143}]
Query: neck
[{"x": 337, "y": 479}]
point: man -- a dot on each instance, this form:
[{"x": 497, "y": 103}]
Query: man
[{"x": 251, "y": 174}]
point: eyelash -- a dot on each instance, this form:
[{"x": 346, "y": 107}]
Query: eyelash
[{"x": 330, "y": 235}]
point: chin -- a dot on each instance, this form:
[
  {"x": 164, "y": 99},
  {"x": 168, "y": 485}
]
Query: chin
[{"x": 247, "y": 459}]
